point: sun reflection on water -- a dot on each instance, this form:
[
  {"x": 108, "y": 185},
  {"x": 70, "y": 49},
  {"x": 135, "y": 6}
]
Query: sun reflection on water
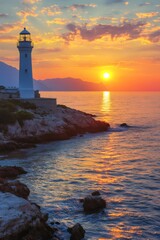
[{"x": 106, "y": 103}]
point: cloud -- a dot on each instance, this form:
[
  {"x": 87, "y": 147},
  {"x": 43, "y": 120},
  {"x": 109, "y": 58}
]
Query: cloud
[
  {"x": 154, "y": 36},
  {"x": 48, "y": 50},
  {"x": 58, "y": 21},
  {"x": 52, "y": 10},
  {"x": 26, "y": 13},
  {"x": 5, "y": 28},
  {"x": 144, "y": 4},
  {"x": 130, "y": 30},
  {"x": 9, "y": 59},
  {"x": 30, "y": 1},
  {"x": 116, "y": 1},
  {"x": 3, "y": 15},
  {"x": 75, "y": 7},
  {"x": 147, "y": 14}
]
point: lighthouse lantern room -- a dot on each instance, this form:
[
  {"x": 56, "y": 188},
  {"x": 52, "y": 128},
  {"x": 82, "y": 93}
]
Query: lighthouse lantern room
[{"x": 25, "y": 47}]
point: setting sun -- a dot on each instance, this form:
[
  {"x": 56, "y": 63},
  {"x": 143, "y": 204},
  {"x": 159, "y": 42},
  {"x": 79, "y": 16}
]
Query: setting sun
[{"x": 106, "y": 75}]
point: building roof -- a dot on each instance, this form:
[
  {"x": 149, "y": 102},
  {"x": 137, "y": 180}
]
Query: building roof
[{"x": 24, "y": 32}]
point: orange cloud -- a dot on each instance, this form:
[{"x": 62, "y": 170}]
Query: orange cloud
[
  {"x": 30, "y": 1},
  {"x": 6, "y": 28},
  {"x": 147, "y": 15},
  {"x": 59, "y": 21},
  {"x": 26, "y": 13},
  {"x": 52, "y": 10}
]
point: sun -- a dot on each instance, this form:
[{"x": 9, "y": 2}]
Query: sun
[{"x": 106, "y": 75}]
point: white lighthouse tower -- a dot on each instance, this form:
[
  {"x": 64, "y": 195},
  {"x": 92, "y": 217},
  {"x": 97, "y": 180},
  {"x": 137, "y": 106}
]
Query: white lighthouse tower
[{"x": 25, "y": 46}]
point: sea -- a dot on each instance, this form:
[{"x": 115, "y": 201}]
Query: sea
[{"x": 122, "y": 163}]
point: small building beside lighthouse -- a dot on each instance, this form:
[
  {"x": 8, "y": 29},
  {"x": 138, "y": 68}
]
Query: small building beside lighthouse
[{"x": 25, "y": 46}]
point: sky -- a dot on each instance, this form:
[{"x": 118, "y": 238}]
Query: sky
[{"x": 87, "y": 38}]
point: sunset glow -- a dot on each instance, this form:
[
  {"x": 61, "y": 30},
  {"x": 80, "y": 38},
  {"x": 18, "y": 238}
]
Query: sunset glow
[
  {"x": 83, "y": 39},
  {"x": 106, "y": 75}
]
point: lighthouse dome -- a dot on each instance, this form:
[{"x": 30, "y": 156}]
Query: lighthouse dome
[{"x": 24, "y": 32}]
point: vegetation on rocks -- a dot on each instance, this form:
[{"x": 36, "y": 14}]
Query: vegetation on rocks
[
  {"x": 10, "y": 112},
  {"x": 23, "y": 104},
  {"x": 22, "y": 115}
]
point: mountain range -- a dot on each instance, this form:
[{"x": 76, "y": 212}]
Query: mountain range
[{"x": 9, "y": 78}]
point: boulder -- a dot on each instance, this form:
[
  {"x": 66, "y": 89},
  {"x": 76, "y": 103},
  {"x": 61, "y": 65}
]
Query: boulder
[
  {"x": 11, "y": 172},
  {"x": 17, "y": 188},
  {"x": 93, "y": 204},
  {"x": 77, "y": 232},
  {"x": 22, "y": 220}
]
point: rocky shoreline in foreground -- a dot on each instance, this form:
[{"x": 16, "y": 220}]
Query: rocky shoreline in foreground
[
  {"x": 45, "y": 126},
  {"x": 21, "y": 219}
]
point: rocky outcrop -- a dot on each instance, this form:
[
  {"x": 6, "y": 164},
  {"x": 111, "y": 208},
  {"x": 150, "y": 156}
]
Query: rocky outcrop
[
  {"x": 93, "y": 203},
  {"x": 17, "y": 188},
  {"x": 48, "y": 126},
  {"x": 21, "y": 220},
  {"x": 77, "y": 232},
  {"x": 11, "y": 172}
]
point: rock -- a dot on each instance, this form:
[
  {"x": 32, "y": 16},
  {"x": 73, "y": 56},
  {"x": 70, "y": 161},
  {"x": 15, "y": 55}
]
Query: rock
[
  {"x": 11, "y": 172},
  {"x": 124, "y": 125},
  {"x": 77, "y": 232},
  {"x": 62, "y": 124},
  {"x": 6, "y": 146},
  {"x": 21, "y": 220},
  {"x": 93, "y": 204},
  {"x": 96, "y": 193},
  {"x": 17, "y": 188}
]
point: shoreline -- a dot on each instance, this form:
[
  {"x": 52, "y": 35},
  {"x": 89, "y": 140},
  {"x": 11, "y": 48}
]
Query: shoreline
[
  {"x": 19, "y": 217},
  {"x": 45, "y": 126},
  {"x": 25, "y": 218}
]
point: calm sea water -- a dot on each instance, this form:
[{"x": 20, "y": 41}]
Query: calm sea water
[{"x": 124, "y": 164}]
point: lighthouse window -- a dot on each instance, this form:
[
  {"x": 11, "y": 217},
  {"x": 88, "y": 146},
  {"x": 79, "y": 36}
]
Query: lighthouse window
[
  {"x": 26, "y": 70},
  {"x": 26, "y": 55}
]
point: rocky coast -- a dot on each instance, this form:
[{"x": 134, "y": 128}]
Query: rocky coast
[
  {"x": 45, "y": 125},
  {"x": 20, "y": 219},
  {"x": 23, "y": 127}
]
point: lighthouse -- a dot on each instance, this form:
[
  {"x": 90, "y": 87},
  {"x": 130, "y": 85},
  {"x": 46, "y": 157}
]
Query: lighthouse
[{"x": 25, "y": 47}]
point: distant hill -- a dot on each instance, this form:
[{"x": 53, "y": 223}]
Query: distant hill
[
  {"x": 9, "y": 78},
  {"x": 69, "y": 84},
  {"x": 8, "y": 75}
]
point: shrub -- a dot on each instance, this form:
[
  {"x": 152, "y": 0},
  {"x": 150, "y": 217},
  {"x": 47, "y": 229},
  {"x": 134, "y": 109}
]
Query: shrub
[
  {"x": 23, "y": 104},
  {"x": 21, "y": 116},
  {"x": 5, "y": 104},
  {"x": 6, "y": 117}
]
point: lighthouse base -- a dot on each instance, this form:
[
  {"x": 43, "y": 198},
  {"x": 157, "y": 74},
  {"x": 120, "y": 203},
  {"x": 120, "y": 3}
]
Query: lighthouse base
[{"x": 27, "y": 93}]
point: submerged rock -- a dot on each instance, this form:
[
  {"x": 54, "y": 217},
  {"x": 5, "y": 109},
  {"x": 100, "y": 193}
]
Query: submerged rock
[
  {"x": 77, "y": 232},
  {"x": 124, "y": 125}
]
